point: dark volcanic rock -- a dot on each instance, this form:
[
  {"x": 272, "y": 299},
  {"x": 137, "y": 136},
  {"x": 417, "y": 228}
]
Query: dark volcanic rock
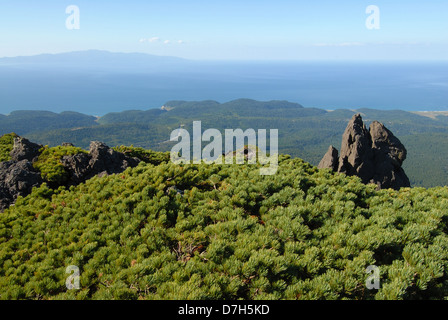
[
  {"x": 18, "y": 176},
  {"x": 105, "y": 159},
  {"x": 356, "y": 153},
  {"x": 383, "y": 140},
  {"x": 374, "y": 155},
  {"x": 77, "y": 167},
  {"x": 101, "y": 160},
  {"x": 16, "y": 179},
  {"x": 67, "y": 144},
  {"x": 389, "y": 154},
  {"x": 330, "y": 159},
  {"x": 24, "y": 150}
]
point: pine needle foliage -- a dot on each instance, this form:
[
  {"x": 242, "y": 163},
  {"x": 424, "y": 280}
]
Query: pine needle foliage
[
  {"x": 225, "y": 232},
  {"x": 49, "y": 163},
  {"x": 6, "y": 146},
  {"x": 147, "y": 156}
]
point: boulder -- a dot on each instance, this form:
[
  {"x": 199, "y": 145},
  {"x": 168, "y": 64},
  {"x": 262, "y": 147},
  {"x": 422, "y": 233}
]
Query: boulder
[
  {"x": 77, "y": 167},
  {"x": 67, "y": 144},
  {"x": 330, "y": 159},
  {"x": 17, "y": 179},
  {"x": 101, "y": 160}
]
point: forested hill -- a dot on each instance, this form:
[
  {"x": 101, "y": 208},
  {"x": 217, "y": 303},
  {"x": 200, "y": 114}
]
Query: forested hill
[
  {"x": 28, "y": 122},
  {"x": 303, "y": 132}
]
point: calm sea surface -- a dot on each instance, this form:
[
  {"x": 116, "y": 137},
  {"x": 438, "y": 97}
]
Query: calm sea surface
[{"x": 408, "y": 86}]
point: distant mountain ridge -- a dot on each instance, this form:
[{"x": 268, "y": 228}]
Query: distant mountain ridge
[{"x": 95, "y": 59}]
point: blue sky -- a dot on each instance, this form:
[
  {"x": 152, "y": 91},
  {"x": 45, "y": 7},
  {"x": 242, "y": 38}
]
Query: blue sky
[{"x": 231, "y": 29}]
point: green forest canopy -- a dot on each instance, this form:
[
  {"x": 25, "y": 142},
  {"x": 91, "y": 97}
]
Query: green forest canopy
[{"x": 305, "y": 133}]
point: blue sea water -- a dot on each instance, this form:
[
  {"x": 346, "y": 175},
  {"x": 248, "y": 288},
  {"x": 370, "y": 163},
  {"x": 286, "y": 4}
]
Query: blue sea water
[{"x": 411, "y": 86}]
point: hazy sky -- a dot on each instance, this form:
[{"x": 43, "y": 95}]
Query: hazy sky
[{"x": 230, "y": 29}]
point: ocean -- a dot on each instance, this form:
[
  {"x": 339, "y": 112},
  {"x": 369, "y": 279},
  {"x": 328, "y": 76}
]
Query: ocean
[{"x": 410, "y": 86}]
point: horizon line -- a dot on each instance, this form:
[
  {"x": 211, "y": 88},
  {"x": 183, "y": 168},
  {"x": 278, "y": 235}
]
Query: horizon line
[{"x": 229, "y": 59}]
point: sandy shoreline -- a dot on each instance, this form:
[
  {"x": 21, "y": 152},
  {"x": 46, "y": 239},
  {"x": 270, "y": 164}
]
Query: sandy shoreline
[{"x": 431, "y": 114}]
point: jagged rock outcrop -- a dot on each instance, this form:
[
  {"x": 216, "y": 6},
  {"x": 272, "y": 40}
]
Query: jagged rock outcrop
[
  {"x": 356, "y": 156},
  {"x": 389, "y": 154},
  {"x": 375, "y": 155},
  {"x": 100, "y": 160},
  {"x": 18, "y": 176},
  {"x": 24, "y": 150},
  {"x": 67, "y": 144}
]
